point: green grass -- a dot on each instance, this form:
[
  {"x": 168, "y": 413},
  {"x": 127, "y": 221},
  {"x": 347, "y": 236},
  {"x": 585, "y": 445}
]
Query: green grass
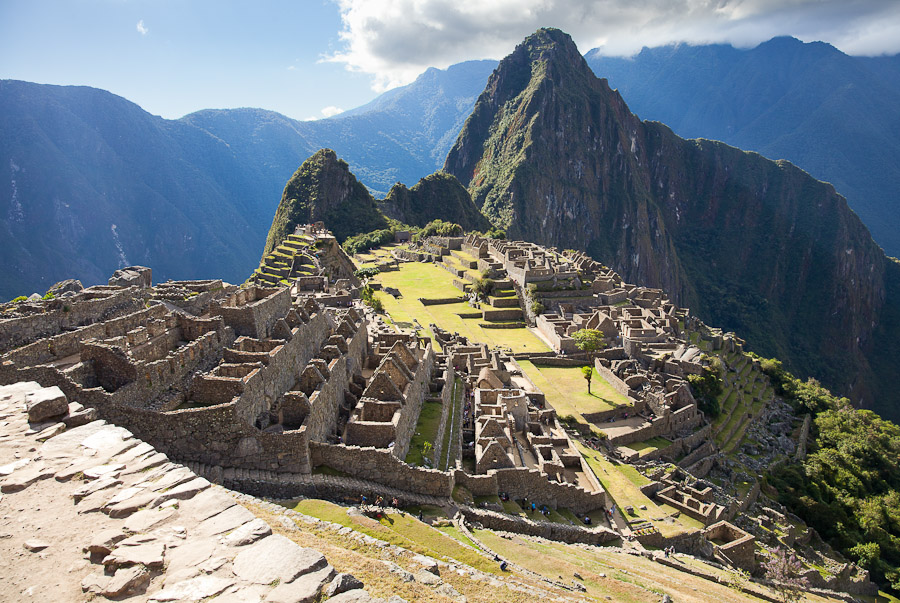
[
  {"x": 400, "y": 530},
  {"x": 416, "y": 279},
  {"x": 566, "y": 390},
  {"x": 648, "y": 446},
  {"x": 622, "y": 483},
  {"x": 426, "y": 431}
]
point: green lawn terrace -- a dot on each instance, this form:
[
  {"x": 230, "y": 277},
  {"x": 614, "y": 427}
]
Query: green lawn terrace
[
  {"x": 294, "y": 257},
  {"x": 566, "y": 391},
  {"x": 379, "y": 257},
  {"x": 420, "y": 284},
  {"x": 623, "y": 484}
]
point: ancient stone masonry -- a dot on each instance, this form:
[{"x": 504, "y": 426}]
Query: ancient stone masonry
[
  {"x": 311, "y": 251},
  {"x": 732, "y": 544},
  {"x": 389, "y": 407},
  {"x": 26, "y": 322}
]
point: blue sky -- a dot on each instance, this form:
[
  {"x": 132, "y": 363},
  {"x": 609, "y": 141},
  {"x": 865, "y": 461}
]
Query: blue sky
[
  {"x": 191, "y": 55},
  {"x": 312, "y": 58}
]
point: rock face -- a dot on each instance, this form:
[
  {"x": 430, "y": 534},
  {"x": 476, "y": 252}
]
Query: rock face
[
  {"x": 323, "y": 189},
  {"x": 439, "y": 195},
  {"x": 554, "y": 155}
]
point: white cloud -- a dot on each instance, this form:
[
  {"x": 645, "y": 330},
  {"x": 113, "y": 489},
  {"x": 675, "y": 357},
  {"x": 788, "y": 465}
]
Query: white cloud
[
  {"x": 395, "y": 40},
  {"x": 326, "y": 112},
  {"x": 331, "y": 111},
  {"x": 142, "y": 29}
]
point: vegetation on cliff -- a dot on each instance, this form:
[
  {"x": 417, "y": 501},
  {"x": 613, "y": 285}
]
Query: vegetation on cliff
[
  {"x": 323, "y": 189},
  {"x": 848, "y": 486},
  {"x": 438, "y": 195}
]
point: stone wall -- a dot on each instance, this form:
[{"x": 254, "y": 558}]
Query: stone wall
[
  {"x": 611, "y": 378},
  {"x": 86, "y": 307},
  {"x": 443, "y": 300},
  {"x": 383, "y": 467},
  {"x": 69, "y": 343},
  {"x": 253, "y": 311},
  {"x": 415, "y": 394},
  {"x": 531, "y": 484},
  {"x": 326, "y": 399},
  {"x": 543, "y": 529},
  {"x": 555, "y": 361},
  {"x": 446, "y": 414},
  {"x": 478, "y": 485},
  {"x": 502, "y": 314},
  {"x": 737, "y": 546}
]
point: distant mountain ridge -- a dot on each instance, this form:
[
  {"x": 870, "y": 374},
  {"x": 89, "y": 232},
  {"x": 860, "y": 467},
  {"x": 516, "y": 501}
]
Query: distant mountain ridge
[
  {"x": 834, "y": 115},
  {"x": 91, "y": 182},
  {"x": 63, "y": 165}
]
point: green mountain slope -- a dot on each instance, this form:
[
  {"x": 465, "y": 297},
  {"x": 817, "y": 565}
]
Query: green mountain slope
[
  {"x": 323, "y": 189},
  {"x": 553, "y": 154},
  {"x": 439, "y": 195}
]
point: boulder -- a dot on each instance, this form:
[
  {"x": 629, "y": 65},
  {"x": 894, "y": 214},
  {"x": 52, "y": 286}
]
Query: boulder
[
  {"x": 69, "y": 285},
  {"x": 126, "y": 581},
  {"x": 342, "y": 583},
  {"x": 133, "y": 276},
  {"x": 46, "y": 403},
  {"x": 276, "y": 558}
]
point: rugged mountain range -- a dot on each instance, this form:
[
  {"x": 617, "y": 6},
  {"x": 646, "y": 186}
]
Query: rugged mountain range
[
  {"x": 91, "y": 182},
  {"x": 554, "y": 155},
  {"x": 836, "y": 116}
]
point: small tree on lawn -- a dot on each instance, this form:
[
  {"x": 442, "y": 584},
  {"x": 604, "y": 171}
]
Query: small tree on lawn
[
  {"x": 589, "y": 340},
  {"x": 588, "y": 372},
  {"x": 783, "y": 570}
]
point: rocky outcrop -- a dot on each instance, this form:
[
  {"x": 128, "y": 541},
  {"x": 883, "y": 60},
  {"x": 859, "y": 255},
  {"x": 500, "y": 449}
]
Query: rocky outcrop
[
  {"x": 149, "y": 529},
  {"x": 439, "y": 195},
  {"x": 554, "y": 155},
  {"x": 323, "y": 189}
]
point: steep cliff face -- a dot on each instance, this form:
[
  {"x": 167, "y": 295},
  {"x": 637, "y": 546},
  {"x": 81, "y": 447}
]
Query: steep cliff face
[
  {"x": 439, "y": 195},
  {"x": 554, "y": 155},
  {"x": 323, "y": 189}
]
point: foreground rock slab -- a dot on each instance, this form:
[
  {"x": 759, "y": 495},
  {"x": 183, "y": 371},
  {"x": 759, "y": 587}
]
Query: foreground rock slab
[{"x": 120, "y": 521}]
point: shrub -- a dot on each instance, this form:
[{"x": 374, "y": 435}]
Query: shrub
[
  {"x": 49, "y": 295},
  {"x": 16, "y": 300},
  {"x": 537, "y": 307},
  {"x": 366, "y": 241}
]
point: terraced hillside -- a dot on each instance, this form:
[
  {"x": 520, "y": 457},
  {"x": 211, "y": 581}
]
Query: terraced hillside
[{"x": 293, "y": 258}]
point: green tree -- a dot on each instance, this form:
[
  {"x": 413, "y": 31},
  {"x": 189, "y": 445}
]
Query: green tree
[
  {"x": 587, "y": 372},
  {"x": 589, "y": 340}
]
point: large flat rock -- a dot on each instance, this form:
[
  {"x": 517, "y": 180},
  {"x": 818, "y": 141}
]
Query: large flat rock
[{"x": 276, "y": 558}]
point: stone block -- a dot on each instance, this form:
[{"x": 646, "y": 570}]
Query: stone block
[{"x": 45, "y": 403}]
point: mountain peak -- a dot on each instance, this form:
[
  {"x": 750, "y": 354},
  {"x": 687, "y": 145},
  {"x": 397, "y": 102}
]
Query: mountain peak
[{"x": 545, "y": 65}]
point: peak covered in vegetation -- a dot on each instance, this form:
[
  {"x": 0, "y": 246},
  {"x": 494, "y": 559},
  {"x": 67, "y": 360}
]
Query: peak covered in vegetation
[
  {"x": 323, "y": 189},
  {"x": 439, "y": 194}
]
